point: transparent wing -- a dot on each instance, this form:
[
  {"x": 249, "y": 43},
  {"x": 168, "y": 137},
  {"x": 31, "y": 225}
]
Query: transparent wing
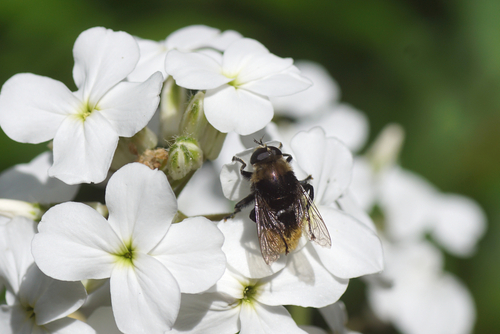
[
  {"x": 313, "y": 224},
  {"x": 271, "y": 241}
]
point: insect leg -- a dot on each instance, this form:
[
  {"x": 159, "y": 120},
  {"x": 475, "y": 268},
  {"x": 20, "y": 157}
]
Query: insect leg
[
  {"x": 252, "y": 215},
  {"x": 243, "y": 172},
  {"x": 289, "y": 157},
  {"x": 241, "y": 204},
  {"x": 307, "y": 187}
]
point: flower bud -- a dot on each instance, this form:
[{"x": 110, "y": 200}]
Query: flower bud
[
  {"x": 173, "y": 100},
  {"x": 130, "y": 149},
  {"x": 11, "y": 208},
  {"x": 384, "y": 152},
  {"x": 185, "y": 156},
  {"x": 194, "y": 124}
]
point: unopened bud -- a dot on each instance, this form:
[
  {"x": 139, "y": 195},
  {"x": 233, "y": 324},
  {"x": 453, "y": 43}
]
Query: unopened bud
[
  {"x": 11, "y": 208},
  {"x": 184, "y": 156},
  {"x": 194, "y": 124},
  {"x": 172, "y": 103},
  {"x": 384, "y": 152}
]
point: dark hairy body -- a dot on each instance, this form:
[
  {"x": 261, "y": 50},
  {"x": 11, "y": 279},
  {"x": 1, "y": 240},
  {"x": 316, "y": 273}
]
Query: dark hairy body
[{"x": 283, "y": 205}]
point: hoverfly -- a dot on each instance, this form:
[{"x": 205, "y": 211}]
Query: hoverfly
[{"x": 284, "y": 207}]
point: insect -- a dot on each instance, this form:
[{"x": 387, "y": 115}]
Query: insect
[{"x": 284, "y": 207}]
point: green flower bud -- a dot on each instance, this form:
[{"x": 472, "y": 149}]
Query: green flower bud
[
  {"x": 185, "y": 156},
  {"x": 172, "y": 103},
  {"x": 194, "y": 124}
]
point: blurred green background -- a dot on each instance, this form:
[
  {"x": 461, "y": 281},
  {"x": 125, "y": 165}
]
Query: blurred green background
[{"x": 432, "y": 66}]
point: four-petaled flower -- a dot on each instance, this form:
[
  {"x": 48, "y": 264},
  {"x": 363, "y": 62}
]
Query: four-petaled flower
[
  {"x": 84, "y": 125},
  {"x": 148, "y": 267},
  {"x": 238, "y": 84}
]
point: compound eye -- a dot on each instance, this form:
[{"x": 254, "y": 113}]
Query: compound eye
[
  {"x": 276, "y": 151},
  {"x": 259, "y": 155}
]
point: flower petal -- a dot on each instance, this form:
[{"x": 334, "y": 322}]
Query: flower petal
[
  {"x": 14, "y": 320},
  {"x": 242, "y": 248},
  {"x": 324, "y": 91},
  {"x": 74, "y": 243},
  {"x": 257, "y": 318},
  {"x": 103, "y": 321},
  {"x": 141, "y": 205},
  {"x": 191, "y": 37},
  {"x": 51, "y": 299},
  {"x": 356, "y": 249},
  {"x": 460, "y": 222},
  {"x": 83, "y": 152},
  {"x": 230, "y": 109},
  {"x": 129, "y": 106},
  {"x": 33, "y": 107},
  {"x": 69, "y": 326},
  {"x": 248, "y": 59},
  {"x": 191, "y": 251},
  {"x": 442, "y": 306},
  {"x": 15, "y": 251},
  {"x": 152, "y": 60},
  {"x": 280, "y": 84},
  {"x": 407, "y": 201},
  {"x": 31, "y": 183},
  {"x": 145, "y": 297},
  {"x": 304, "y": 282},
  {"x": 207, "y": 313},
  {"x": 103, "y": 58},
  {"x": 327, "y": 160},
  {"x": 194, "y": 70}
]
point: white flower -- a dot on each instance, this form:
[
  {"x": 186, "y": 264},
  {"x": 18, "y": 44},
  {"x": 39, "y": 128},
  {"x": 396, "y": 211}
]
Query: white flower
[
  {"x": 84, "y": 125},
  {"x": 187, "y": 39},
  {"x": 238, "y": 86},
  {"x": 355, "y": 248},
  {"x": 42, "y": 306},
  {"x": 422, "y": 299},
  {"x": 36, "y": 303},
  {"x": 412, "y": 206},
  {"x": 147, "y": 267},
  {"x": 239, "y": 303}
]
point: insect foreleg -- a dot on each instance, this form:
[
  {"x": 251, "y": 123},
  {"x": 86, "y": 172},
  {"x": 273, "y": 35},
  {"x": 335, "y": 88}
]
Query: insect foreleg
[
  {"x": 308, "y": 188},
  {"x": 289, "y": 157},
  {"x": 247, "y": 175},
  {"x": 241, "y": 204}
]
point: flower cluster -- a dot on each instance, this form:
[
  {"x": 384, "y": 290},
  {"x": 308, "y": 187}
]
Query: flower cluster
[{"x": 157, "y": 245}]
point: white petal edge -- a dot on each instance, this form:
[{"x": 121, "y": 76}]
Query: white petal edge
[
  {"x": 356, "y": 249},
  {"x": 194, "y": 70},
  {"x": 230, "y": 109},
  {"x": 33, "y": 107},
  {"x": 129, "y": 106},
  {"x": 103, "y": 58},
  {"x": 75, "y": 243}
]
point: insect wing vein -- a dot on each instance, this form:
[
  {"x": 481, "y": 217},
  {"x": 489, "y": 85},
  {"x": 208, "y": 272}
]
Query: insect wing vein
[
  {"x": 313, "y": 223},
  {"x": 270, "y": 240}
]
